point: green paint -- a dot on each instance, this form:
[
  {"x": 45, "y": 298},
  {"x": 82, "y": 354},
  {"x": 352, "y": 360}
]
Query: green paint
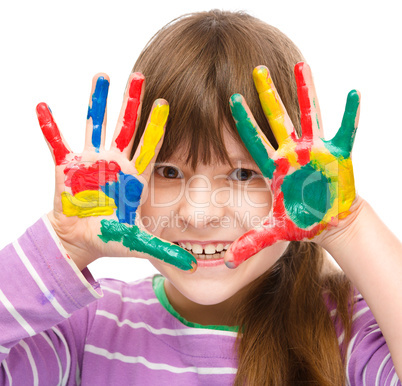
[
  {"x": 135, "y": 239},
  {"x": 345, "y": 136},
  {"x": 249, "y": 135},
  {"x": 318, "y": 122},
  {"x": 316, "y": 116},
  {"x": 308, "y": 196}
]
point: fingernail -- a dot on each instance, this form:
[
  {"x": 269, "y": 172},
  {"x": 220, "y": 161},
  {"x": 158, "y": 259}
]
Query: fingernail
[
  {"x": 262, "y": 79},
  {"x": 160, "y": 112},
  {"x": 230, "y": 264}
]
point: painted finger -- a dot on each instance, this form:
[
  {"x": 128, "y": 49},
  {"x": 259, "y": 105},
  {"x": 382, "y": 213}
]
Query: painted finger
[
  {"x": 271, "y": 103},
  {"x": 57, "y": 145},
  {"x": 138, "y": 240},
  {"x": 129, "y": 115},
  {"x": 252, "y": 136},
  {"x": 310, "y": 114},
  {"x": 344, "y": 138},
  {"x": 150, "y": 142},
  {"x": 251, "y": 243},
  {"x": 96, "y": 118}
]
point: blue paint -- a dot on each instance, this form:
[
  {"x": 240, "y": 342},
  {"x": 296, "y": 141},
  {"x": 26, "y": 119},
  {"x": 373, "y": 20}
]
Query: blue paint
[
  {"x": 47, "y": 297},
  {"x": 126, "y": 193},
  {"x": 97, "y": 111}
]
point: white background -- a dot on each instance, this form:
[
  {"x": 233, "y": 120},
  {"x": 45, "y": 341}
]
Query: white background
[{"x": 50, "y": 50}]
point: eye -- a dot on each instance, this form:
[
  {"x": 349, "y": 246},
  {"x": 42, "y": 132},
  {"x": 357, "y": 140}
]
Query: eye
[
  {"x": 241, "y": 174},
  {"x": 169, "y": 171}
]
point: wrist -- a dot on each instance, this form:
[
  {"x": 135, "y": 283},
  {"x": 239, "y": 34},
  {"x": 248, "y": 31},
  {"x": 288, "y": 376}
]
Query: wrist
[
  {"x": 71, "y": 251},
  {"x": 344, "y": 232}
]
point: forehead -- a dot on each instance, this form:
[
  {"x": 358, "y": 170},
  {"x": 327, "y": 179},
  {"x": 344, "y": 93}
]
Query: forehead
[{"x": 234, "y": 148}]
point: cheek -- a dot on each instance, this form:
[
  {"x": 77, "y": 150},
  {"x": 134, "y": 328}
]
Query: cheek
[
  {"x": 253, "y": 207},
  {"x": 259, "y": 199},
  {"x": 157, "y": 207},
  {"x": 164, "y": 194}
]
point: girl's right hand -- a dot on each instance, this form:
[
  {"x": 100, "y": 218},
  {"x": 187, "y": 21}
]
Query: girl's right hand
[{"x": 98, "y": 192}]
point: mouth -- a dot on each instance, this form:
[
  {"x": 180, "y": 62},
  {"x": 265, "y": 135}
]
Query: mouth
[{"x": 213, "y": 250}]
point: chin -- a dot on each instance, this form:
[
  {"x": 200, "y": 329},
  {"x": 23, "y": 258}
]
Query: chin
[
  {"x": 208, "y": 297},
  {"x": 214, "y": 285}
]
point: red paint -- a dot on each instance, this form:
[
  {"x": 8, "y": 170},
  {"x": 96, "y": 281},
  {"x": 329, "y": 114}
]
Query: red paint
[
  {"x": 131, "y": 112},
  {"x": 51, "y": 133},
  {"x": 304, "y": 101},
  {"x": 303, "y": 149},
  {"x": 303, "y": 144},
  {"x": 81, "y": 177},
  {"x": 278, "y": 227}
]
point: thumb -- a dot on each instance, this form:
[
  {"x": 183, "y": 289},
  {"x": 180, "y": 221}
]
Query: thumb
[{"x": 251, "y": 243}]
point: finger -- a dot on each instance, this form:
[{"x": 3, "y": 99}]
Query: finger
[
  {"x": 252, "y": 136},
  {"x": 57, "y": 145},
  {"x": 251, "y": 243},
  {"x": 129, "y": 115},
  {"x": 141, "y": 241},
  {"x": 150, "y": 142},
  {"x": 310, "y": 114},
  {"x": 345, "y": 136},
  {"x": 271, "y": 103},
  {"x": 96, "y": 118}
]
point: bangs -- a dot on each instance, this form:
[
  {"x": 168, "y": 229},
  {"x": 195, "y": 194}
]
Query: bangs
[
  {"x": 196, "y": 63},
  {"x": 199, "y": 108}
]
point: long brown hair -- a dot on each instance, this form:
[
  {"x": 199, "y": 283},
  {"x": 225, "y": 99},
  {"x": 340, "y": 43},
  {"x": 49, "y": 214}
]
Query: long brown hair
[{"x": 196, "y": 63}]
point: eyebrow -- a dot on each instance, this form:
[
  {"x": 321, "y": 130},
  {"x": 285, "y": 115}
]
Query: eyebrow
[{"x": 242, "y": 158}]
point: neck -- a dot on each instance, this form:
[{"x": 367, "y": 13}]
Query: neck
[{"x": 221, "y": 314}]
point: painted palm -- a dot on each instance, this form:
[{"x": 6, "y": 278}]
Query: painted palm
[
  {"x": 98, "y": 191},
  {"x": 311, "y": 179}
]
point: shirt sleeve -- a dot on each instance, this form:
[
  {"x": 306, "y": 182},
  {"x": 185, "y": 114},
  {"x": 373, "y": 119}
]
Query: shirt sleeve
[
  {"x": 368, "y": 360},
  {"x": 44, "y": 316}
]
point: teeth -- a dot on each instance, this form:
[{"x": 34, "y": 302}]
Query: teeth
[
  {"x": 209, "y": 251},
  {"x": 197, "y": 248},
  {"x": 210, "y": 257}
]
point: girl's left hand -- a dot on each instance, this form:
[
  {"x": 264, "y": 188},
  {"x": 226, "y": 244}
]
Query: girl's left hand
[{"x": 311, "y": 179}]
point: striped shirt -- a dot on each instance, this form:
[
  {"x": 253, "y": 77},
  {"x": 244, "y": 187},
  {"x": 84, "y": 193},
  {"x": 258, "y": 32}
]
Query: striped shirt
[{"x": 58, "y": 326}]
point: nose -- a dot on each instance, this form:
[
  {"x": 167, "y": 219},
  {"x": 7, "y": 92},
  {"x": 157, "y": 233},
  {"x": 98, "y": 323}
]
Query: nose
[{"x": 200, "y": 205}]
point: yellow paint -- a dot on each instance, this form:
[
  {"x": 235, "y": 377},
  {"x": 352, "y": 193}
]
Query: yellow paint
[
  {"x": 340, "y": 173},
  {"x": 153, "y": 134},
  {"x": 287, "y": 149},
  {"x": 270, "y": 103},
  {"x": 87, "y": 203}
]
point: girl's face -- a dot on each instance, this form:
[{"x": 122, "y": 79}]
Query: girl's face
[{"x": 204, "y": 211}]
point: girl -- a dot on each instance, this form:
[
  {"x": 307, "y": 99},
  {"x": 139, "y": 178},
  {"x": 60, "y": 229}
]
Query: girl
[{"x": 231, "y": 184}]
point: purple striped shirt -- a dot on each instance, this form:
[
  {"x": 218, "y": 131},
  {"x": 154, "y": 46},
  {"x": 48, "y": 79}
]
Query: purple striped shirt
[{"x": 59, "y": 326}]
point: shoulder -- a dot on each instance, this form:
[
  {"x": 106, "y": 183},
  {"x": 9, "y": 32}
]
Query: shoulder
[
  {"x": 367, "y": 357},
  {"x": 118, "y": 292}
]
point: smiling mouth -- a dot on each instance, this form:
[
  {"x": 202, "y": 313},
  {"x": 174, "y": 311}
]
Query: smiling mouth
[{"x": 211, "y": 251}]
